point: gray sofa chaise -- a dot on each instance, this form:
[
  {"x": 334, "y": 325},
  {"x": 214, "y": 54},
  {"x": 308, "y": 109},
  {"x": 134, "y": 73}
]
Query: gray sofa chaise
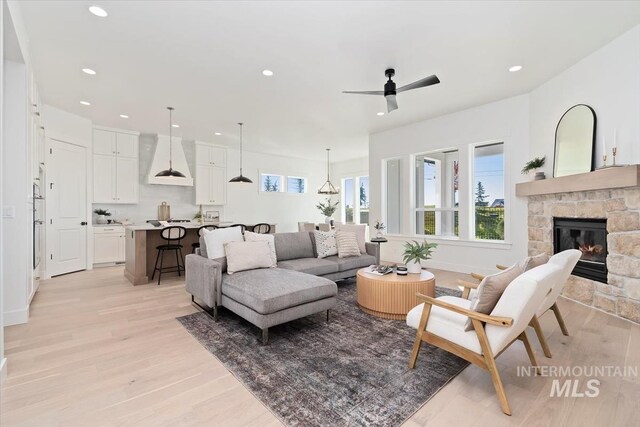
[{"x": 301, "y": 285}]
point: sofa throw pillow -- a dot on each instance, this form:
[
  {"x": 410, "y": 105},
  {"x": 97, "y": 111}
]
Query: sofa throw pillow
[
  {"x": 269, "y": 238},
  {"x": 347, "y": 243},
  {"x": 215, "y": 239},
  {"x": 248, "y": 256},
  {"x": 360, "y": 230},
  {"x": 533, "y": 261},
  {"x": 326, "y": 244},
  {"x": 490, "y": 290}
]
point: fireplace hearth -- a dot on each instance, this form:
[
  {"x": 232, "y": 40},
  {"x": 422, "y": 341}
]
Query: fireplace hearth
[{"x": 589, "y": 236}]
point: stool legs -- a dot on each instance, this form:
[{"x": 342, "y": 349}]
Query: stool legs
[{"x": 160, "y": 259}]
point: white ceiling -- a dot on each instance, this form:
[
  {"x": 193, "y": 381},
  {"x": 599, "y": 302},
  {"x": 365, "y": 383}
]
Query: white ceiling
[{"x": 205, "y": 59}]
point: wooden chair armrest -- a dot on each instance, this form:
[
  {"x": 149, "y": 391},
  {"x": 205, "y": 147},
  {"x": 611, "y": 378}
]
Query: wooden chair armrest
[
  {"x": 469, "y": 285},
  {"x": 492, "y": 320},
  {"x": 501, "y": 267},
  {"x": 477, "y": 276}
]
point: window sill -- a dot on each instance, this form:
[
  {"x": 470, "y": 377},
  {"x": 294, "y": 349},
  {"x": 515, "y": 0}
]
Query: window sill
[{"x": 453, "y": 241}]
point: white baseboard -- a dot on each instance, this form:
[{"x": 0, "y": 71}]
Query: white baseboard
[
  {"x": 3, "y": 370},
  {"x": 16, "y": 317}
]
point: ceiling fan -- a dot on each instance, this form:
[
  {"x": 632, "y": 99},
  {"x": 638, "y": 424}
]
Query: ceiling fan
[{"x": 390, "y": 90}]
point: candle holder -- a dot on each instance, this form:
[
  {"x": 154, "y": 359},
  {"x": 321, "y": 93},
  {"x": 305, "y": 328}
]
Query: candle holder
[
  {"x": 604, "y": 160},
  {"x": 615, "y": 151}
]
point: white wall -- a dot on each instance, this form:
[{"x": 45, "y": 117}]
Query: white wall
[
  {"x": 608, "y": 80},
  {"x": 244, "y": 203},
  {"x": 505, "y": 120},
  {"x": 3, "y": 360}
]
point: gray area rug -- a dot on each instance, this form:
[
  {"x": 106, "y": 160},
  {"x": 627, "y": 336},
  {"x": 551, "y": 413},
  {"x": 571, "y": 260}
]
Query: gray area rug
[{"x": 352, "y": 371}]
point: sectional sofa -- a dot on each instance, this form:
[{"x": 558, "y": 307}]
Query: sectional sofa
[{"x": 301, "y": 285}]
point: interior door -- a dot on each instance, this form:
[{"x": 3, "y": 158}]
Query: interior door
[{"x": 66, "y": 196}]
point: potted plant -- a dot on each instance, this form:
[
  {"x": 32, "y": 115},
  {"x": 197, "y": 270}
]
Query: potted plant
[
  {"x": 534, "y": 164},
  {"x": 379, "y": 226},
  {"x": 416, "y": 252},
  {"x": 102, "y": 215},
  {"x": 328, "y": 209}
]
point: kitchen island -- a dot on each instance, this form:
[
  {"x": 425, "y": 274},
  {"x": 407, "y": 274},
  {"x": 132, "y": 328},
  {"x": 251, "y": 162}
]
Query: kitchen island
[{"x": 141, "y": 242}]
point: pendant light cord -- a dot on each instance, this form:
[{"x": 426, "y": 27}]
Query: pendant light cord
[
  {"x": 240, "y": 148},
  {"x": 328, "y": 149},
  {"x": 170, "y": 138}
]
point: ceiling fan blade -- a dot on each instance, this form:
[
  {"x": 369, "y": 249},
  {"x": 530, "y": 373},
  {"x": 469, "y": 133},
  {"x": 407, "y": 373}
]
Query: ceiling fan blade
[
  {"x": 365, "y": 92},
  {"x": 427, "y": 81},
  {"x": 392, "y": 104}
]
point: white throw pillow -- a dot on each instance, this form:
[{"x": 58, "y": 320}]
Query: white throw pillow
[
  {"x": 325, "y": 243},
  {"x": 360, "y": 230},
  {"x": 247, "y": 256},
  {"x": 347, "y": 244},
  {"x": 269, "y": 238},
  {"x": 215, "y": 240}
]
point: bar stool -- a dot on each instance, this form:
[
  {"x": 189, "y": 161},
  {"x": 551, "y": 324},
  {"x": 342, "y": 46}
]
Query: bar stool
[
  {"x": 243, "y": 227},
  {"x": 173, "y": 235},
  {"x": 262, "y": 228},
  {"x": 196, "y": 245}
]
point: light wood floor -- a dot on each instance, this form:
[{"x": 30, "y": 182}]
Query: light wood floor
[{"x": 100, "y": 352}]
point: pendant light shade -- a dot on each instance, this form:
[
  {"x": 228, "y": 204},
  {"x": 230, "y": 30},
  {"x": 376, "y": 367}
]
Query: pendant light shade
[
  {"x": 170, "y": 172},
  {"x": 327, "y": 187},
  {"x": 241, "y": 178}
]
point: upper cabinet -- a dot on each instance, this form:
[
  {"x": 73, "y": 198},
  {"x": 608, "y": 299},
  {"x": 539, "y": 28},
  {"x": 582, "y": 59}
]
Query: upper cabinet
[
  {"x": 115, "y": 166},
  {"x": 211, "y": 174}
]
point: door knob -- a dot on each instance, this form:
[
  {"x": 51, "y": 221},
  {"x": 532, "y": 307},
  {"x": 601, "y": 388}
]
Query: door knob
[{"x": 83, "y": 223}]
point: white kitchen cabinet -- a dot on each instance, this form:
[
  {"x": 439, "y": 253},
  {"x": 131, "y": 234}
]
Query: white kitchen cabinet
[
  {"x": 115, "y": 166},
  {"x": 211, "y": 174},
  {"x": 108, "y": 244}
]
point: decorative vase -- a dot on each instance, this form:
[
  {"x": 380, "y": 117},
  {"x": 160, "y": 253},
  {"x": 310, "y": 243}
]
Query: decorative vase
[
  {"x": 101, "y": 219},
  {"x": 414, "y": 267},
  {"x": 379, "y": 234},
  {"x": 539, "y": 176},
  {"x": 328, "y": 220}
]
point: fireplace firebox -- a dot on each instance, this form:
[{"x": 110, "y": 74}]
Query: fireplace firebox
[{"x": 589, "y": 236}]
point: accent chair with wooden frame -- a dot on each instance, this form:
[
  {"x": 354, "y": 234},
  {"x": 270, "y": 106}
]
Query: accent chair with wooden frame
[
  {"x": 566, "y": 260},
  {"x": 441, "y": 322}
]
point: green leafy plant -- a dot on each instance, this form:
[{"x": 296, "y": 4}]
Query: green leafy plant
[
  {"x": 328, "y": 208},
  {"x": 536, "y": 163},
  {"x": 379, "y": 226},
  {"x": 104, "y": 212},
  {"x": 198, "y": 215},
  {"x": 417, "y": 251}
]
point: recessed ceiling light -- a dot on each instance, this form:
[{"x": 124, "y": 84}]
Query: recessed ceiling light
[
  {"x": 175, "y": 126},
  {"x": 217, "y": 134},
  {"x": 98, "y": 11},
  {"x": 267, "y": 73},
  {"x": 515, "y": 68},
  {"x": 89, "y": 71},
  {"x": 85, "y": 103},
  {"x": 124, "y": 116},
  {"x": 380, "y": 113}
]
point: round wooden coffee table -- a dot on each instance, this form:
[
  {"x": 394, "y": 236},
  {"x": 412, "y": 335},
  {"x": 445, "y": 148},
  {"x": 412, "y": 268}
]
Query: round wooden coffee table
[{"x": 392, "y": 296}]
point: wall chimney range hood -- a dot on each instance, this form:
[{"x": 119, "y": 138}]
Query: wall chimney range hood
[{"x": 161, "y": 160}]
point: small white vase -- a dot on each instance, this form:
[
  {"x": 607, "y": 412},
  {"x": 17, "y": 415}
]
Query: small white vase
[
  {"x": 101, "y": 219},
  {"x": 414, "y": 267},
  {"x": 328, "y": 220}
]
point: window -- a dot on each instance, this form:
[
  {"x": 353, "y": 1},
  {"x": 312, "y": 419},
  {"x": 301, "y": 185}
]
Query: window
[
  {"x": 392, "y": 214},
  {"x": 437, "y": 191},
  {"x": 363, "y": 199},
  {"x": 296, "y": 184},
  {"x": 347, "y": 200},
  {"x": 355, "y": 200},
  {"x": 488, "y": 191},
  {"x": 271, "y": 183}
]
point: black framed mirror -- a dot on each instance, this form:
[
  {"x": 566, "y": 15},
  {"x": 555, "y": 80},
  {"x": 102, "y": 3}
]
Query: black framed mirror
[{"x": 575, "y": 141}]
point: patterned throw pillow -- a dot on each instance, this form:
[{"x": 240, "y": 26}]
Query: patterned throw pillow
[
  {"x": 347, "y": 244},
  {"x": 326, "y": 243}
]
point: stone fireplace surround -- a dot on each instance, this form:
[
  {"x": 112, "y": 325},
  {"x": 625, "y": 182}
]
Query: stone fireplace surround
[{"x": 621, "y": 208}]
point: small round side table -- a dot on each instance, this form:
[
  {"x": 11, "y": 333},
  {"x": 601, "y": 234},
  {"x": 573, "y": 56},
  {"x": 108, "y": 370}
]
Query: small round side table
[{"x": 379, "y": 241}]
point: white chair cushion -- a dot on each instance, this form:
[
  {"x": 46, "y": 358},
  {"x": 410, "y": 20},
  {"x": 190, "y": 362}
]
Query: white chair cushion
[
  {"x": 447, "y": 324},
  {"x": 566, "y": 260}
]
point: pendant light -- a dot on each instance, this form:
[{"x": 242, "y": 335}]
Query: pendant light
[
  {"x": 167, "y": 173},
  {"x": 327, "y": 187},
  {"x": 241, "y": 178}
]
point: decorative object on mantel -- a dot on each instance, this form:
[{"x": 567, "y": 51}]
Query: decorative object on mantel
[
  {"x": 416, "y": 252},
  {"x": 327, "y": 187},
  {"x": 241, "y": 178},
  {"x": 575, "y": 141},
  {"x": 170, "y": 172},
  {"x": 328, "y": 209},
  {"x": 102, "y": 216},
  {"x": 379, "y": 226},
  {"x": 534, "y": 164}
]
